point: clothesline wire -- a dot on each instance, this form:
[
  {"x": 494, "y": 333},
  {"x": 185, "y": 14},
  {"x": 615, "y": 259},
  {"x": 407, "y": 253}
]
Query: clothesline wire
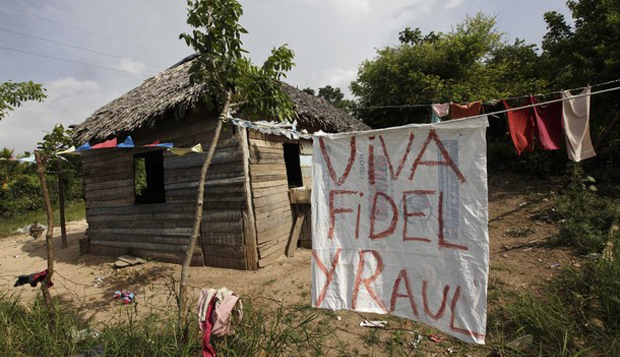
[
  {"x": 508, "y": 98},
  {"x": 542, "y": 103}
]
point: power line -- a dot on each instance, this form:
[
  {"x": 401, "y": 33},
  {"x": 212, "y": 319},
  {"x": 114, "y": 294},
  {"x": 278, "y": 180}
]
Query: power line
[
  {"x": 508, "y": 98},
  {"x": 66, "y": 60},
  {"x": 77, "y": 47},
  {"x": 85, "y": 30}
]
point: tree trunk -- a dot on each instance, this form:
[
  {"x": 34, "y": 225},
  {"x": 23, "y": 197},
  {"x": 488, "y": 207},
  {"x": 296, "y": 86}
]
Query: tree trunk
[
  {"x": 49, "y": 234},
  {"x": 61, "y": 204},
  {"x": 198, "y": 217}
]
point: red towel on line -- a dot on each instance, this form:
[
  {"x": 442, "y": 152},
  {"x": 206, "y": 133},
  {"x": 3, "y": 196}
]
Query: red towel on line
[
  {"x": 463, "y": 111},
  {"x": 521, "y": 125},
  {"x": 548, "y": 124},
  {"x": 106, "y": 144}
]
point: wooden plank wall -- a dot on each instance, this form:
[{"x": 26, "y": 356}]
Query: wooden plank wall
[
  {"x": 274, "y": 215},
  {"x": 161, "y": 231},
  {"x": 116, "y": 225},
  {"x": 222, "y": 227}
]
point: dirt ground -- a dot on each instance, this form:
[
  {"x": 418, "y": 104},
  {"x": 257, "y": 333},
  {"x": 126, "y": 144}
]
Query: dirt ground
[{"x": 89, "y": 281}]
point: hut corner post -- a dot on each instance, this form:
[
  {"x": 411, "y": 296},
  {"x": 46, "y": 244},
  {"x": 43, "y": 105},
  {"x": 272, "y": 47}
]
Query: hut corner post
[
  {"x": 49, "y": 234},
  {"x": 198, "y": 218},
  {"x": 61, "y": 204}
]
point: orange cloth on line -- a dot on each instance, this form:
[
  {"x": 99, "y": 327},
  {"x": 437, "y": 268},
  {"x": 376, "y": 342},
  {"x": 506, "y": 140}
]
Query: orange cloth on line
[
  {"x": 459, "y": 111},
  {"x": 521, "y": 125}
]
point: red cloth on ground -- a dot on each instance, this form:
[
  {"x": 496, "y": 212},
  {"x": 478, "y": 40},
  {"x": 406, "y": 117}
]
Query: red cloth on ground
[
  {"x": 207, "y": 326},
  {"x": 106, "y": 144},
  {"x": 458, "y": 111},
  {"x": 521, "y": 125},
  {"x": 548, "y": 124}
]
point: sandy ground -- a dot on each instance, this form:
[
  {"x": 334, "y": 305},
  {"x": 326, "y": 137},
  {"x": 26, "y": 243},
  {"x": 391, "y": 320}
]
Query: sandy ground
[{"x": 89, "y": 281}]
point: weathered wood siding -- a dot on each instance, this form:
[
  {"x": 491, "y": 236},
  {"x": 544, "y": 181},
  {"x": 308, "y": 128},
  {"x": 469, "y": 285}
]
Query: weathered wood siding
[
  {"x": 161, "y": 231},
  {"x": 273, "y": 211}
]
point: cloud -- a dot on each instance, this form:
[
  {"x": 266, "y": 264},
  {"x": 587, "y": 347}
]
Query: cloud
[
  {"x": 133, "y": 67},
  {"x": 454, "y": 4},
  {"x": 338, "y": 77},
  {"x": 69, "y": 101}
]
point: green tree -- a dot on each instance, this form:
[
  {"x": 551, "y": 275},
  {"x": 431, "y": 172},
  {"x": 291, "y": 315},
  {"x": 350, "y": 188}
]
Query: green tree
[
  {"x": 473, "y": 62},
  {"x": 229, "y": 80},
  {"x": 587, "y": 52},
  {"x": 336, "y": 98},
  {"x": 12, "y": 94},
  {"x": 8, "y": 169}
]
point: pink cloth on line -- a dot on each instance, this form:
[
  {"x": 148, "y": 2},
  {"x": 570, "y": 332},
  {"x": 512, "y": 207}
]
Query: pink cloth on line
[
  {"x": 548, "y": 124},
  {"x": 441, "y": 109},
  {"x": 106, "y": 144}
]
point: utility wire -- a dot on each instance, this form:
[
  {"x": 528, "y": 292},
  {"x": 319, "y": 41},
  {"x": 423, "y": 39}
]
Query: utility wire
[
  {"x": 86, "y": 31},
  {"x": 508, "y": 98},
  {"x": 77, "y": 47},
  {"x": 67, "y": 60}
]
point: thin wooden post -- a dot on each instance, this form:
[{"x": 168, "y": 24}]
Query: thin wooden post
[
  {"x": 249, "y": 221},
  {"x": 198, "y": 217},
  {"x": 50, "y": 231},
  {"x": 61, "y": 204}
]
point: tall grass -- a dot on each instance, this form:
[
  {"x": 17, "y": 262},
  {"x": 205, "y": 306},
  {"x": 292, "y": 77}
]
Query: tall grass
[
  {"x": 74, "y": 211},
  {"x": 28, "y": 331}
]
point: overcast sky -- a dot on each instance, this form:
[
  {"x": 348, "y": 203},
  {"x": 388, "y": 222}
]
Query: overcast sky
[{"x": 133, "y": 40}]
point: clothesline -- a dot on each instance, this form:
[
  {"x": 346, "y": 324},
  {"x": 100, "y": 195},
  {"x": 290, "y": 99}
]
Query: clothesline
[
  {"x": 508, "y": 98},
  {"x": 542, "y": 103}
]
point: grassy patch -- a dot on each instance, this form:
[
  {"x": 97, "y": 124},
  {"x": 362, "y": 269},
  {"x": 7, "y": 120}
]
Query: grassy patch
[
  {"x": 268, "y": 330},
  {"x": 74, "y": 211},
  {"x": 580, "y": 313}
]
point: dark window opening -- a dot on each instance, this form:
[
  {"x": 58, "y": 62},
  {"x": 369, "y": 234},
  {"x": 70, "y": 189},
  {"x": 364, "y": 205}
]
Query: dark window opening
[
  {"x": 293, "y": 165},
  {"x": 149, "y": 177}
]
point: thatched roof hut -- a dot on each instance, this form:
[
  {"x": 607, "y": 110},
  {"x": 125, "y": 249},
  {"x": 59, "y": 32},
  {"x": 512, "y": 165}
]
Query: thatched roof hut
[
  {"x": 141, "y": 201},
  {"x": 169, "y": 95}
]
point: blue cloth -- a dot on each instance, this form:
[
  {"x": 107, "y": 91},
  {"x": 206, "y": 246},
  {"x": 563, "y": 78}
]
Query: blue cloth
[
  {"x": 128, "y": 143},
  {"x": 435, "y": 118},
  {"x": 84, "y": 147}
]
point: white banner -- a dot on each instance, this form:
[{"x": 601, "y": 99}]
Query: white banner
[{"x": 400, "y": 220}]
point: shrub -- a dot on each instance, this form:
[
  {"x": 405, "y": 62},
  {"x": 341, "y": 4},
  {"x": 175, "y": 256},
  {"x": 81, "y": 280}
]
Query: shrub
[{"x": 585, "y": 219}]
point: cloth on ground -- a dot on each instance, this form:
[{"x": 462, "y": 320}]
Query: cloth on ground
[
  {"x": 459, "y": 111},
  {"x": 126, "y": 296},
  {"x": 576, "y": 114},
  {"x": 548, "y": 124},
  {"x": 33, "y": 279},
  {"x": 521, "y": 125},
  {"x": 498, "y": 123},
  {"x": 216, "y": 309}
]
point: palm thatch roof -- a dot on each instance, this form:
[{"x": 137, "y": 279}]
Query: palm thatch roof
[{"x": 169, "y": 94}]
